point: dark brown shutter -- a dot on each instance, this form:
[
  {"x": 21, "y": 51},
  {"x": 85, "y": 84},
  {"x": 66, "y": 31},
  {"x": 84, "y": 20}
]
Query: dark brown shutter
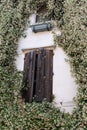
[
  {"x": 37, "y": 79},
  {"x": 40, "y": 84},
  {"x": 31, "y": 74},
  {"x": 28, "y": 76},
  {"x": 25, "y": 77},
  {"x": 48, "y": 75}
]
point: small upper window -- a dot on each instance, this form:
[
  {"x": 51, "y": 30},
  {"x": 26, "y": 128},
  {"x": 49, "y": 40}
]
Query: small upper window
[{"x": 42, "y": 15}]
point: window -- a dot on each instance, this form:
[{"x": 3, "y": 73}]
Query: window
[
  {"x": 38, "y": 73},
  {"x": 42, "y": 14}
]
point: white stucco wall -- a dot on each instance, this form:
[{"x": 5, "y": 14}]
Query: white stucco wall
[{"x": 64, "y": 87}]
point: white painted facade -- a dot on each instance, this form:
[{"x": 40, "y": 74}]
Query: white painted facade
[{"x": 64, "y": 86}]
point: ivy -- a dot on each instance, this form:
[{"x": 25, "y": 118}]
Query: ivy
[
  {"x": 70, "y": 17},
  {"x": 74, "y": 41}
]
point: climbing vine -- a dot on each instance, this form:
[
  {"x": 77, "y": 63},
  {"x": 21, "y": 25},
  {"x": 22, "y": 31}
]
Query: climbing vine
[
  {"x": 74, "y": 41},
  {"x": 70, "y": 17}
]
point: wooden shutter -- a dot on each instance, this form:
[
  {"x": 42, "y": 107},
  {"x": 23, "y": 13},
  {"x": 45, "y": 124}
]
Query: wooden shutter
[
  {"x": 40, "y": 83},
  {"x": 31, "y": 75},
  {"x": 25, "y": 77},
  {"x": 48, "y": 75},
  {"x": 28, "y": 76},
  {"x": 38, "y": 72}
]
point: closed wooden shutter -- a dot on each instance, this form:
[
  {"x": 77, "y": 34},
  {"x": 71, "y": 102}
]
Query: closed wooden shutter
[
  {"x": 48, "y": 75},
  {"x": 38, "y": 73}
]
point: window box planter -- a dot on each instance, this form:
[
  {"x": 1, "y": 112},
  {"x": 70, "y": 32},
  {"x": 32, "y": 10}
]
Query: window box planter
[{"x": 40, "y": 27}]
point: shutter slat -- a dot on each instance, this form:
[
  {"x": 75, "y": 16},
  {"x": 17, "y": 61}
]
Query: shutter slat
[
  {"x": 43, "y": 74},
  {"x": 38, "y": 78},
  {"x": 51, "y": 74},
  {"x": 42, "y": 84}
]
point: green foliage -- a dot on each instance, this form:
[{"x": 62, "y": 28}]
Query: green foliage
[
  {"x": 14, "y": 113},
  {"x": 74, "y": 41},
  {"x": 54, "y": 7},
  {"x": 33, "y": 116}
]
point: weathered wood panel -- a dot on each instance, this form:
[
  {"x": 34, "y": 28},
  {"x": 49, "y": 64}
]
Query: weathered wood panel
[
  {"x": 25, "y": 77},
  {"x": 39, "y": 78},
  {"x": 48, "y": 75},
  {"x": 31, "y": 75}
]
